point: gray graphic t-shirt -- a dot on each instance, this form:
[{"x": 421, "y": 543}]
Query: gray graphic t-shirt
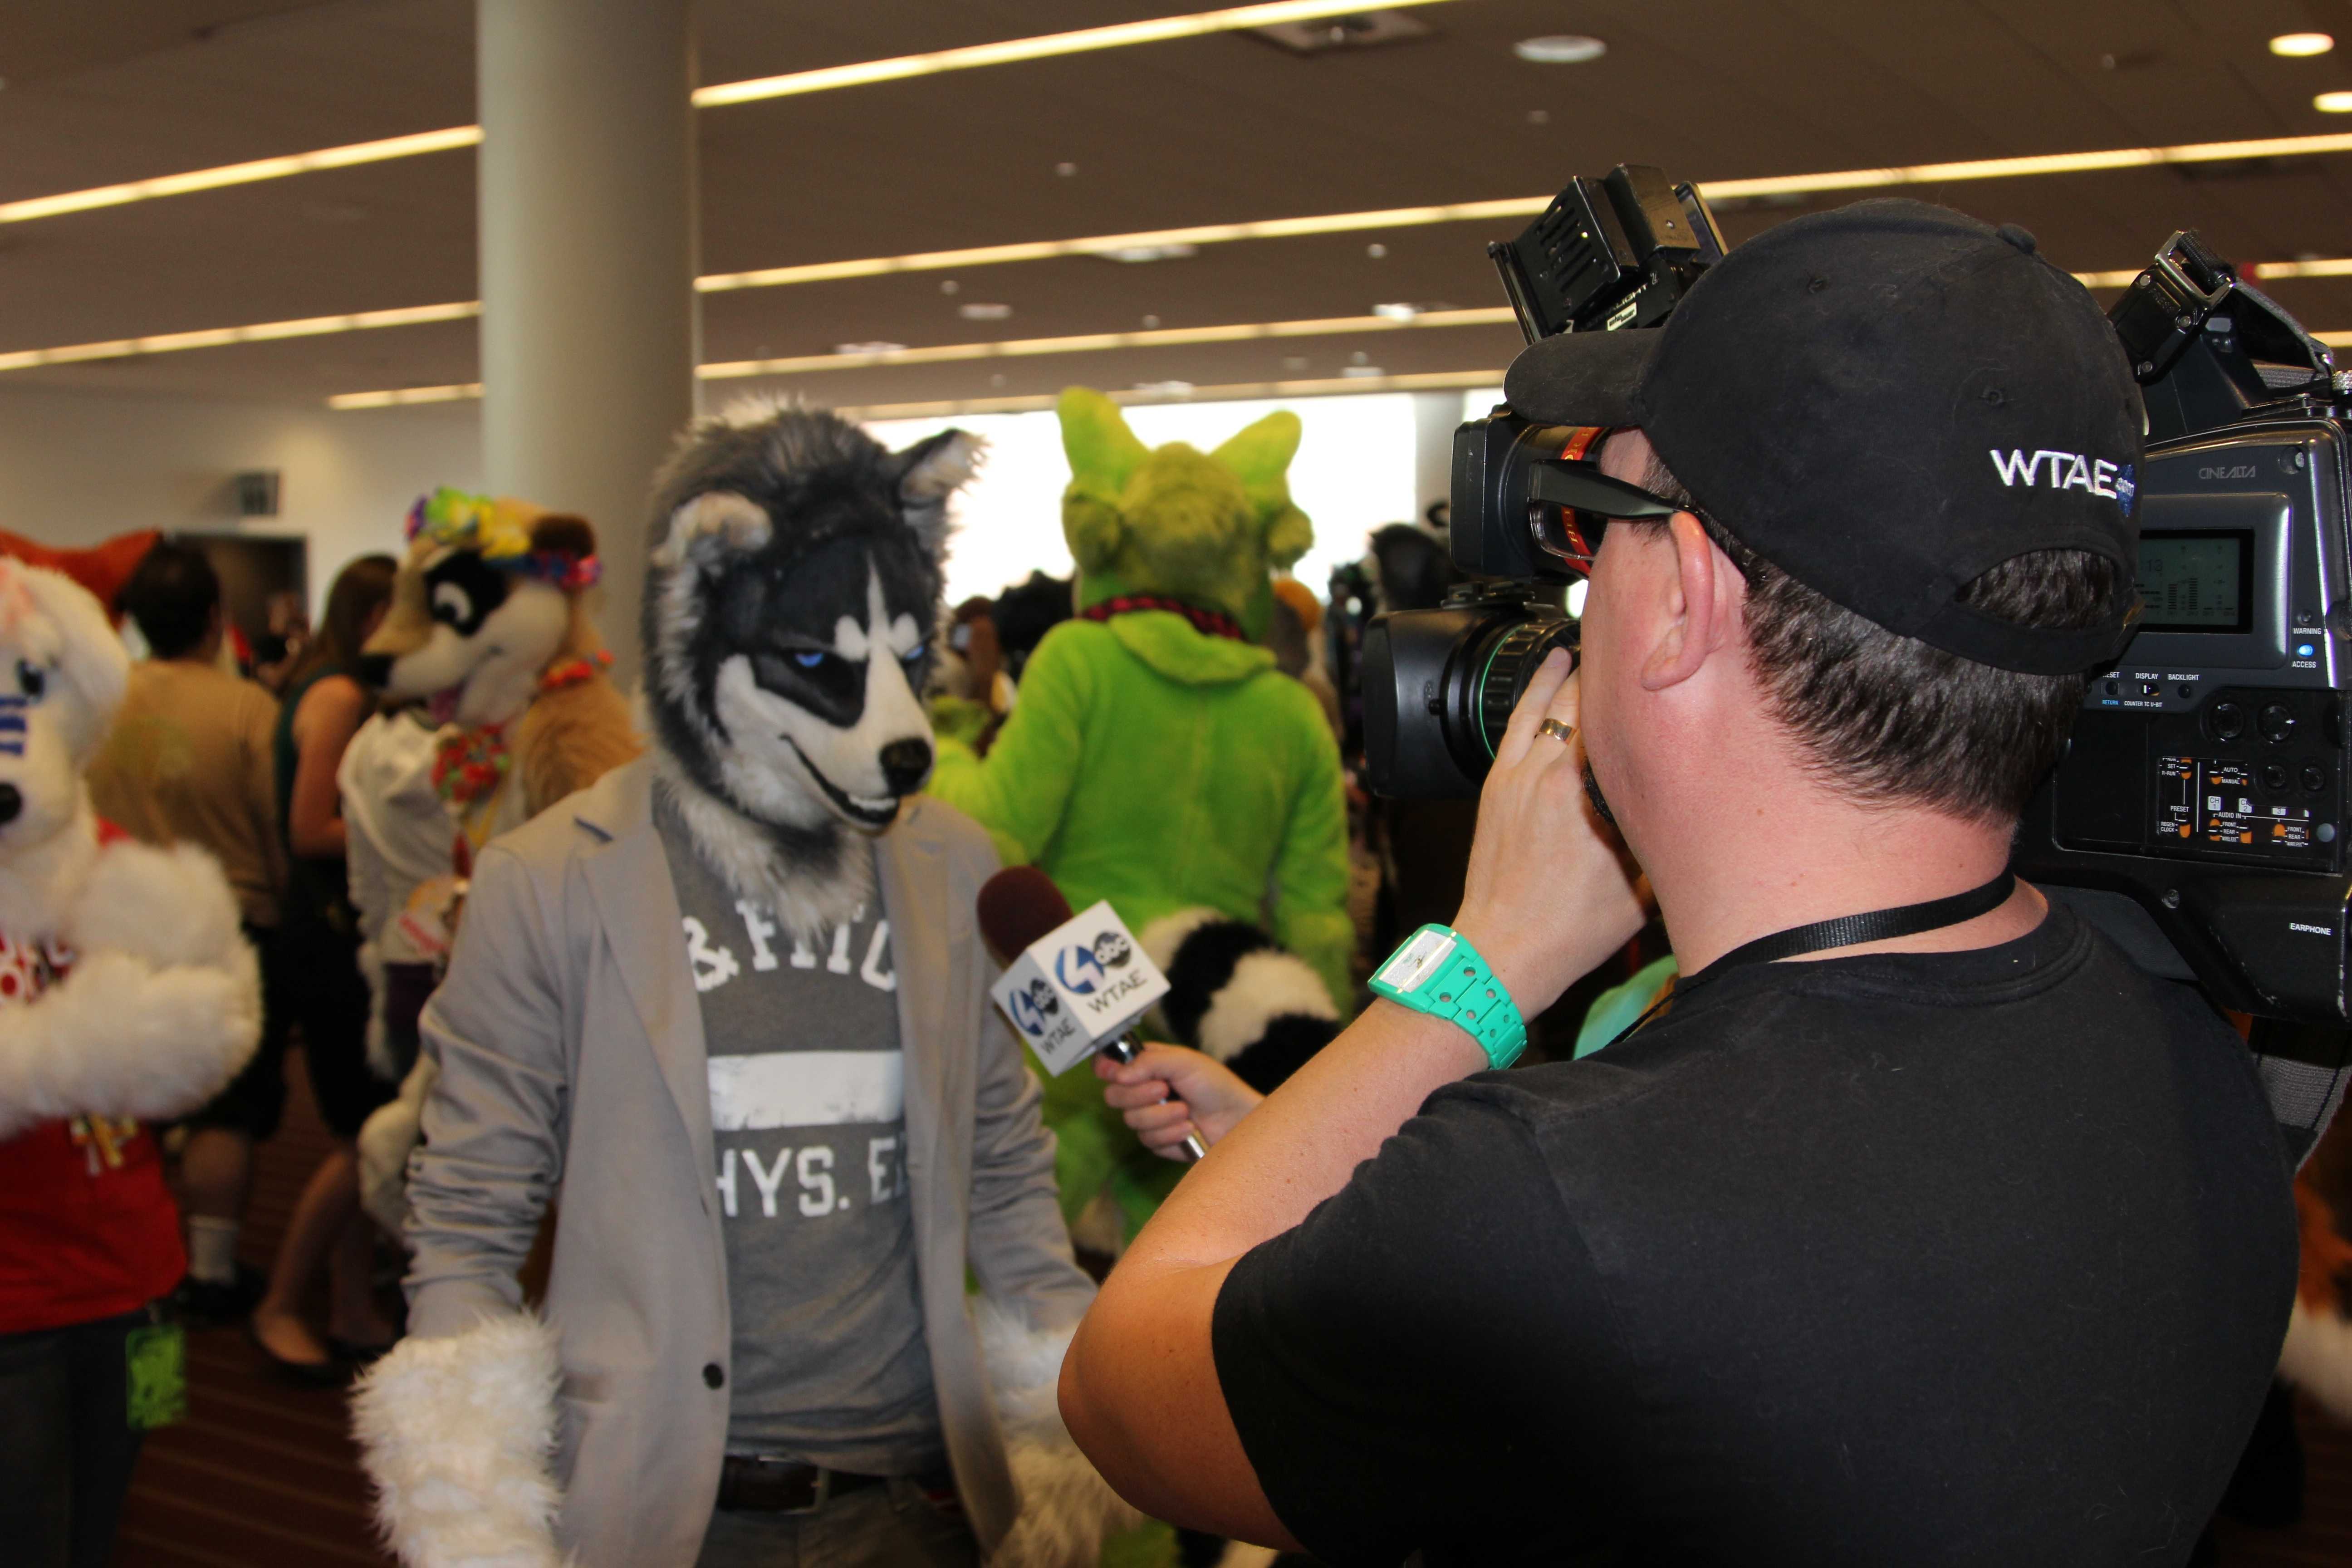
[{"x": 807, "y": 1099}]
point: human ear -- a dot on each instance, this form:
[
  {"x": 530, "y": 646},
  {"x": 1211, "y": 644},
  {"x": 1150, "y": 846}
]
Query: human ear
[{"x": 1695, "y": 614}]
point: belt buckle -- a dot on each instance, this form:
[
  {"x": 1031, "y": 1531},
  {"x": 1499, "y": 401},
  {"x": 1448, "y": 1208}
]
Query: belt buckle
[{"x": 820, "y": 1492}]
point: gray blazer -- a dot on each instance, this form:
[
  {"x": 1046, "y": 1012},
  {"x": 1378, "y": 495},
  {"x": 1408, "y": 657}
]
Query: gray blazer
[{"x": 571, "y": 1060}]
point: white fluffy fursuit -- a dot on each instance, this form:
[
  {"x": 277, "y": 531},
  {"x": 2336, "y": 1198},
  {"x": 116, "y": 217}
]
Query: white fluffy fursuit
[
  {"x": 1067, "y": 1508},
  {"x": 459, "y": 1438},
  {"x": 161, "y": 1003}
]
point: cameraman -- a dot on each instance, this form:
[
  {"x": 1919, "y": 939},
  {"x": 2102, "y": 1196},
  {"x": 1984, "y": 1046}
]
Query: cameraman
[{"x": 1942, "y": 1234}]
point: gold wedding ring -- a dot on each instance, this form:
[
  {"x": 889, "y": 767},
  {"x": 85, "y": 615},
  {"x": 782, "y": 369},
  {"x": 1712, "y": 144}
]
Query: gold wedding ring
[{"x": 1567, "y": 732}]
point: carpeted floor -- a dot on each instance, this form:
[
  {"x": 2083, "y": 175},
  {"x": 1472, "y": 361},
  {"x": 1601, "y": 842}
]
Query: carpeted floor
[{"x": 262, "y": 1474}]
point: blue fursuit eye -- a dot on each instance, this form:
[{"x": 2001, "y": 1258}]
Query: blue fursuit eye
[
  {"x": 810, "y": 660},
  {"x": 31, "y": 679},
  {"x": 914, "y": 658}
]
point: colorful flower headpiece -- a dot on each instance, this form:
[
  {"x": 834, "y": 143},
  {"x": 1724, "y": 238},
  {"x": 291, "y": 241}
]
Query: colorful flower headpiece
[{"x": 500, "y": 530}]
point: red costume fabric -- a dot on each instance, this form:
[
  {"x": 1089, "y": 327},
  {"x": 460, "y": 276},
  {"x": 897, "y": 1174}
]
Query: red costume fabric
[{"x": 88, "y": 1228}]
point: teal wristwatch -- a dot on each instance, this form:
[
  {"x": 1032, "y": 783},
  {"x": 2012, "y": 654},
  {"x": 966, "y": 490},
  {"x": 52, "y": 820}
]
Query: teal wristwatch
[{"x": 1437, "y": 972}]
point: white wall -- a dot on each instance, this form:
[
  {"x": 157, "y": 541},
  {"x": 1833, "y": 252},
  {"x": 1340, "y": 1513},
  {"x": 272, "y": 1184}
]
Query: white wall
[
  {"x": 1354, "y": 472},
  {"x": 78, "y": 467}
]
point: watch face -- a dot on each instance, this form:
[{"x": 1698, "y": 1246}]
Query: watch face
[{"x": 1416, "y": 960}]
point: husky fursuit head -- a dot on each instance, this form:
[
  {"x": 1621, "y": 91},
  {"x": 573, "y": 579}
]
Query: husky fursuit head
[{"x": 789, "y": 620}]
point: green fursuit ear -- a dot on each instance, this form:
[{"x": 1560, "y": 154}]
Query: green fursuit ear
[
  {"x": 1102, "y": 450},
  {"x": 1094, "y": 528},
  {"x": 1260, "y": 458}
]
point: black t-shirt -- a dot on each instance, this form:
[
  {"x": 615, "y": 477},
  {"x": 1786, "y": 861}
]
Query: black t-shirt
[{"x": 1978, "y": 1258}]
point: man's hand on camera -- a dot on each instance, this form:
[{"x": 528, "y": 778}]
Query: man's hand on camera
[
  {"x": 1550, "y": 893},
  {"x": 1167, "y": 1093}
]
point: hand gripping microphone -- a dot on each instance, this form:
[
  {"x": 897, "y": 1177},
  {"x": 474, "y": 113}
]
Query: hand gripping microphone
[{"x": 1074, "y": 983}]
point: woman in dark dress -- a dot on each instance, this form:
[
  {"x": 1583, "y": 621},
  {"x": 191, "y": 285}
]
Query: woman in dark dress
[{"x": 325, "y": 993}]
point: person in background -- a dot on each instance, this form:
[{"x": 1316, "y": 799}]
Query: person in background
[
  {"x": 318, "y": 941},
  {"x": 1295, "y": 635},
  {"x": 400, "y": 837},
  {"x": 188, "y": 760}
]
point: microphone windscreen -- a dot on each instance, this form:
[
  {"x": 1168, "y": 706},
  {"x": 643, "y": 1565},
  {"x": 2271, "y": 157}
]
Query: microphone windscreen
[{"x": 1017, "y": 906}]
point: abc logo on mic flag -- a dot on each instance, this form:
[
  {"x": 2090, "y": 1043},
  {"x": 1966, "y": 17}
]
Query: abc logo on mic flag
[{"x": 1081, "y": 984}]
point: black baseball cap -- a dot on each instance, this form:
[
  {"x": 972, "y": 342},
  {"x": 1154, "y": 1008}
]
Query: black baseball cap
[{"x": 1885, "y": 402}]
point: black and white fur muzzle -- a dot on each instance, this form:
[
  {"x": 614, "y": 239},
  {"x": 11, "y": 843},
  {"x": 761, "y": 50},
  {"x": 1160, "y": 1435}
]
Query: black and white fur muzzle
[{"x": 827, "y": 715}]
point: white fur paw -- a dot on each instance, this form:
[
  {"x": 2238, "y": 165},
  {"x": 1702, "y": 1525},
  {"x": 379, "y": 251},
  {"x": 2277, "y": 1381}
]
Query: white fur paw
[
  {"x": 458, "y": 1436},
  {"x": 1067, "y": 1508},
  {"x": 119, "y": 1037},
  {"x": 387, "y": 1140},
  {"x": 167, "y": 906}
]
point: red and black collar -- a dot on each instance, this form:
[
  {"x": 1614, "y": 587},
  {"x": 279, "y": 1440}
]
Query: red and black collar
[{"x": 1209, "y": 623}]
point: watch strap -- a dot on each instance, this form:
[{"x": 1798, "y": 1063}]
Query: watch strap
[{"x": 1436, "y": 971}]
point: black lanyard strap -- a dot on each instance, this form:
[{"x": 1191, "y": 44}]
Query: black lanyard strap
[
  {"x": 1844, "y": 930},
  {"x": 1878, "y": 925}
]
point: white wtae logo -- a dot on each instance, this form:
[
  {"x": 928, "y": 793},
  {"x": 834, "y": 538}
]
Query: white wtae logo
[{"x": 2068, "y": 470}]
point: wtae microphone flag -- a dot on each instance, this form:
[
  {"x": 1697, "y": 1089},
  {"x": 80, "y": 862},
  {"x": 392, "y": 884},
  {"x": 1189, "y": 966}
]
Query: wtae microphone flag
[{"x": 1080, "y": 984}]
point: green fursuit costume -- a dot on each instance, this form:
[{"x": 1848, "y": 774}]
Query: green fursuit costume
[{"x": 1159, "y": 767}]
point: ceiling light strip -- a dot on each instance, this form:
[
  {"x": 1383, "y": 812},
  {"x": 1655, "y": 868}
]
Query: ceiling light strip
[
  {"x": 241, "y": 174},
  {"x": 1329, "y": 386},
  {"x": 1105, "y": 244},
  {"x": 1123, "y": 35},
  {"x": 258, "y": 332},
  {"x": 823, "y": 80},
  {"x": 1097, "y": 343},
  {"x": 1089, "y": 342},
  {"x": 1519, "y": 206},
  {"x": 1324, "y": 386},
  {"x": 2023, "y": 168}
]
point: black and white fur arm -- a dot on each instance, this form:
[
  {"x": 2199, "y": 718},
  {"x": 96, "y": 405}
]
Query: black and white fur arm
[{"x": 1236, "y": 995}]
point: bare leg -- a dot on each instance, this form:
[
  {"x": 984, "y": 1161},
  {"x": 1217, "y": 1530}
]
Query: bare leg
[
  {"x": 328, "y": 1203},
  {"x": 352, "y": 1315},
  {"x": 216, "y": 1173}
]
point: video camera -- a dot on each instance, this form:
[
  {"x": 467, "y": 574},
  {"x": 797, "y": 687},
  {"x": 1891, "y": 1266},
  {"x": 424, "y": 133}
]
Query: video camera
[{"x": 2199, "y": 816}]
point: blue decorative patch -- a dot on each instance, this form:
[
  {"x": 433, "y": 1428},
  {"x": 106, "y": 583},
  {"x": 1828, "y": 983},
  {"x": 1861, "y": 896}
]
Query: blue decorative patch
[
  {"x": 2127, "y": 489},
  {"x": 12, "y": 726}
]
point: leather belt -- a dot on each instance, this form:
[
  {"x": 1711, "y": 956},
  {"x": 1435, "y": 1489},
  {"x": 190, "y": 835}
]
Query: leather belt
[{"x": 750, "y": 1483}]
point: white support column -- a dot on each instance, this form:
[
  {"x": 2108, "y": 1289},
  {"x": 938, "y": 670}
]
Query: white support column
[{"x": 588, "y": 244}]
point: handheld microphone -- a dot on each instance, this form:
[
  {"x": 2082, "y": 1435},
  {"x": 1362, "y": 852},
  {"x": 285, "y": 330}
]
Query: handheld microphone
[{"x": 1072, "y": 984}]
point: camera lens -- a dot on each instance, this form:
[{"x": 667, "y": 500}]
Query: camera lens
[
  {"x": 1505, "y": 660},
  {"x": 1439, "y": 687}
]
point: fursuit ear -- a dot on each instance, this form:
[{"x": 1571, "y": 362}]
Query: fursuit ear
[
  {"x": 560, "y": 533},
  {"x": 710, "y": 526},
  {"x": 927, "y": 473},
  {"x": 1260, "y": 458},
  {"x": 1103, "y": 452}
]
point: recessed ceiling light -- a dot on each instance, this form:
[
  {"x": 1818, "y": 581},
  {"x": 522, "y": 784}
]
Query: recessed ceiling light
[
  {"x": 1397, "y": 310},
  {"x": 2332, "y": 103},
  {"x": 1066, "y": 169},
  {"x": 1150, "y": 323},
  {"x": 877, "y": 347},
  {"x": 984, "y": 311},
  {"x": 1376, "y": 250},
  {"x": 1559, "y": 49},
  {"x": 1165, "y": 388},
  {"x": 949, "y": 286},
  {"x": 2296, "y": 46},
  {"x": 1362, "y": 371}
]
